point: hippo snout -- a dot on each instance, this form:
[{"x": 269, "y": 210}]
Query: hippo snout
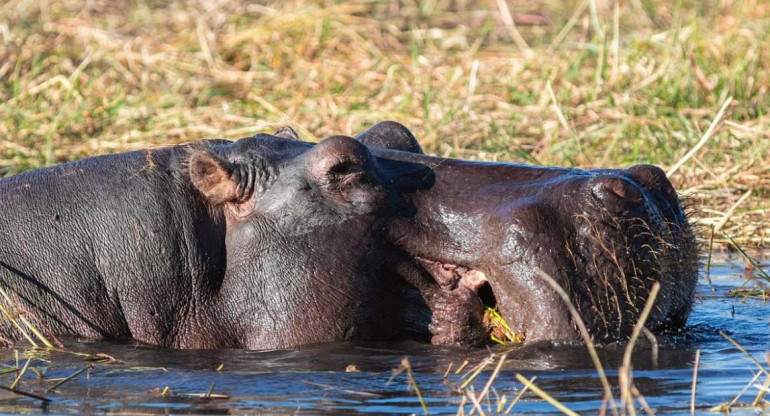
[
  {"x": 653, "y": 179},
  {"x": 615, "y": 193}
]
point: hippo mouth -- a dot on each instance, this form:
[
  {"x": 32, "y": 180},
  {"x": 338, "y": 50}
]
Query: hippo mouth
[{"x": 468, "y": 299}]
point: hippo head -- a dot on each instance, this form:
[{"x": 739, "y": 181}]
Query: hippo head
[
  {"x": 370, "y": 238},
  {"x": 307, "y": 256},
  {"x": 487, "y": 232}
]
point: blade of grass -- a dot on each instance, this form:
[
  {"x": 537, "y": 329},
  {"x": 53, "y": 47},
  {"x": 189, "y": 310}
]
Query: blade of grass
[
  {"x": 695, "y": 381},
  {"x": 654, "y": 350},
  {"x": 21, "y": 374},
  {"x": 27, "y": 394},
  {"x": 711, "y": 250},
  {"x": 763, "y": 390},
  {"x": 448, "y": 369},
  {"x": 642, "y": 401},
  {"x": 597, "y": 27},
  {"x": 706, "y": 136},
  {"x": 743, "y": 350},
  {"x": 24, "y": 320},
  {"x": 475, "y": 400},
  {"x": 573, "y": 19},
  {"x": 462, "y": 367},
  {"x": 625, "y": 369},
  {"x": 725, "y": 407},
  {"x": 505, "y": 14},
  {"x": 407, "y": 366},
  {"x": 68, "y": 378},
  {"x": 586, "y": 336},
  {"x": 8, "y": 315},
  {"x": 748, "y": 258},
  {"x": 545, "y": 396},
  {"x": 561, "y": 117},
  {"x": 211, "y": 390},
  {"x": 37, "y": 333},
  {"x": 518, "y": 396},
  {"x": 722, "y": 221},
  {"x": 476, "y": 371},
  {"x": 492, "y": 378}
]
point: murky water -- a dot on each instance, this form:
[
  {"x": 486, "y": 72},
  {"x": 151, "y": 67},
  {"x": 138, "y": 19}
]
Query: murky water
[{"x": 315, "y": 380}]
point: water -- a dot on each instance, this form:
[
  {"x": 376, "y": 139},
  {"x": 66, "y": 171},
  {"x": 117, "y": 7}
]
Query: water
[{"x": 314, "y": 379}]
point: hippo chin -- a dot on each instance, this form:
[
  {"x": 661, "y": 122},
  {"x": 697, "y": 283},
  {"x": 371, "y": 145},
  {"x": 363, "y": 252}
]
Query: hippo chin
[{"x": 270, "y": 242}]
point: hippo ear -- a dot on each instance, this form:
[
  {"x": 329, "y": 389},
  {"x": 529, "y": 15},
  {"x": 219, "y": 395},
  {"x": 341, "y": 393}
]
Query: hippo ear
[
  {"x": 213, "y": 177},
  {"x": 344, "y": 170},
  {"x": 390, "y": 135}
]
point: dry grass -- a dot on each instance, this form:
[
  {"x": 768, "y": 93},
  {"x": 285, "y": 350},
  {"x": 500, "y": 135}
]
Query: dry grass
[{"x": 555, "y": 83}]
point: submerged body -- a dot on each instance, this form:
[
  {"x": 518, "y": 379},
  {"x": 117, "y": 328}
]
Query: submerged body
[{"x": 270, "y": 242}]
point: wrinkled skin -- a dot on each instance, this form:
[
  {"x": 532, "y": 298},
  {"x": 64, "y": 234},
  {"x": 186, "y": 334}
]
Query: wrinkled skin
[{"x": 270, "y": 242}]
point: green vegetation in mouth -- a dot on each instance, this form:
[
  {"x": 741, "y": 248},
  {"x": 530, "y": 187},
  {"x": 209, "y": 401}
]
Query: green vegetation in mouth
[{"x": 499, "y": 330}]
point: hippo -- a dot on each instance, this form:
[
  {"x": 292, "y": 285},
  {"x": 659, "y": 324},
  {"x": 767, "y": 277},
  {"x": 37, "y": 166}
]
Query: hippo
[
  {"x": 271, "y": 242},
  {"x": 606, "y": 236}
]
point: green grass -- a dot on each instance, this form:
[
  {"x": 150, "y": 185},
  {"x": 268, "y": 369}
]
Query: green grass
[{"x": 639, "y": 84}]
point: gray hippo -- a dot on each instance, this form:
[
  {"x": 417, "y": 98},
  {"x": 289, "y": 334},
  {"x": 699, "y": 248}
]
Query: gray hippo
[{"x": 271, "y": 242}]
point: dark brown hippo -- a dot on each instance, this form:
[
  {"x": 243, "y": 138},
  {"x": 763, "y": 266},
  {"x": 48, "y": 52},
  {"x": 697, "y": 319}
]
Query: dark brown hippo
[
  {"x": 605, "y": 235},
  {"x": 270, "y": 242}
]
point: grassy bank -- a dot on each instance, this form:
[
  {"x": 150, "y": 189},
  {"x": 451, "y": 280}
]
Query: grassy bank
[{"x": 575, "y": 83}]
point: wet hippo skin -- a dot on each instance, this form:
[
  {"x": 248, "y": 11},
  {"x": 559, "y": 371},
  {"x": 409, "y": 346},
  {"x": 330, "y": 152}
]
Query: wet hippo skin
[{"x": 270, "y": 242}]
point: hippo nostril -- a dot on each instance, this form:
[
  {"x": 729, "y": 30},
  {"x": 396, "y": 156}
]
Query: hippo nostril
[
  {"x": 615, "y": 192},
  {"x": 616, "y": 187},
  {"x": 647, "y": 175},
  {"x": 653, "y": 179}
]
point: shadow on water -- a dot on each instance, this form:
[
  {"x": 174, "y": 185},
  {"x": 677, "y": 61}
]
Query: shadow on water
[{"x": 353, "y": 378}]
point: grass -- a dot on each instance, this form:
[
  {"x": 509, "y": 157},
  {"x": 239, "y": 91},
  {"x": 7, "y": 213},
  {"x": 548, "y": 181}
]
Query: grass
[
  {"x": 757, "y": 279},
  {"x": 575, "y": 83}
]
